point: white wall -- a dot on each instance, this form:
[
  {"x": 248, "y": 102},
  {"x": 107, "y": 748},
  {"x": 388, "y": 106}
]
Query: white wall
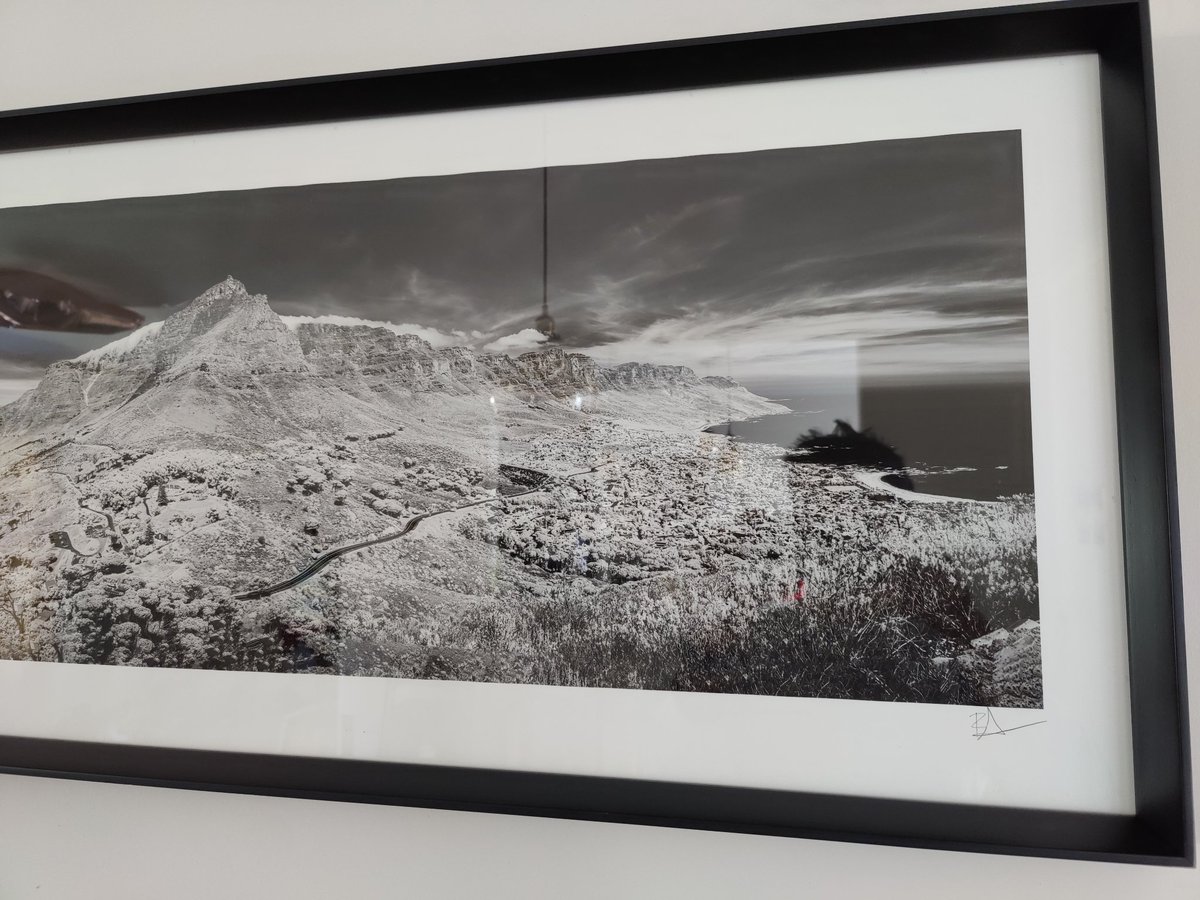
[{"x": 64, "y": 839}]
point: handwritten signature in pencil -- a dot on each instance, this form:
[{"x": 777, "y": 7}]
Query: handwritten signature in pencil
[{"x": 985, "y": 724}]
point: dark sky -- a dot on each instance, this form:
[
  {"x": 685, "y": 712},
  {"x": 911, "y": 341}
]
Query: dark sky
[{"x": 900, "y": 259}]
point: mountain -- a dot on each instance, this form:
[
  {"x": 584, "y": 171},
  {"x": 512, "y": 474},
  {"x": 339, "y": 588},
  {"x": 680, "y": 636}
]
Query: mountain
[
  {"x": 227, "y": 361},
  {"x": 225, "y": 331}
]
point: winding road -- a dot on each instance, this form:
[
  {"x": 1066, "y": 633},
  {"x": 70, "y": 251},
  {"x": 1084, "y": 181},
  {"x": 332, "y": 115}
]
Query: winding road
[
  {"x": 113, "y": 533},
  {"x": 330, "y": 555}
]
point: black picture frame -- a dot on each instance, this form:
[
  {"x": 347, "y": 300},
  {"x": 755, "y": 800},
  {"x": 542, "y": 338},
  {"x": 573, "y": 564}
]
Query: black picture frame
[{"x": 1117, "y": 31}]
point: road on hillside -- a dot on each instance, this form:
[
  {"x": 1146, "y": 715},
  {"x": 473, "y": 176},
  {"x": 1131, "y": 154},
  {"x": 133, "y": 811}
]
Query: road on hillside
[{"x": 330, "y": 555}]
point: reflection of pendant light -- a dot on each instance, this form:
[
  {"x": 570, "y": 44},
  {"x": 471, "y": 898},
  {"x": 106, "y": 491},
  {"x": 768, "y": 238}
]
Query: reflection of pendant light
[
  {"x": 545, "y": 322},
  {"x": 545, "y": 241}
]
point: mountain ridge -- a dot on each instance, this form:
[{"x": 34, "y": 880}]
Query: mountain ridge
[{"x": 229, "y": 336}]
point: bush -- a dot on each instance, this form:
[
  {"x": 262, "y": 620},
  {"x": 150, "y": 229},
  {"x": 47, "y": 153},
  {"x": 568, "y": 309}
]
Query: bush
[
  {"x": 190, "y": 627},
  {"x": 740, "y": 631}
]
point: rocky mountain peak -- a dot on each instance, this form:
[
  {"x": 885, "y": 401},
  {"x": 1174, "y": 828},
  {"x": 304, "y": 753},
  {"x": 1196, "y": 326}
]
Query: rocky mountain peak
[
  {"x": 220, "y": 301},
  {"x": 230, "y": 287},
  {"x": 227, "y": 329}
]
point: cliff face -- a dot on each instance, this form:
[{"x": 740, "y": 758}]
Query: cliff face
[
  {"x": 558, "y": 372},
  {"x": 342, "y": 350},
  {"x": 647, "y": 375},
  {"x": 58, "y": 398},
  {"x": 229, "y": 351}
]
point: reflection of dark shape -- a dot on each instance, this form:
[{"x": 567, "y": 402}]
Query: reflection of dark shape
[
  {"x": 61, "y": 540},
  {"x": 293, "y": 651},
  {"x": 41, "y": 303},
  {"x": 846, "y": 445},
  {"x": 545, "y": 323},
  {"x": 897, "y": 480},
  {"x": 515, "y": 479}
]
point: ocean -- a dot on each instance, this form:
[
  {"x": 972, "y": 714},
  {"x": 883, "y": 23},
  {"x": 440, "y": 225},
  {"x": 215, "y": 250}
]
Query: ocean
[{"x": 958, "y": 440}]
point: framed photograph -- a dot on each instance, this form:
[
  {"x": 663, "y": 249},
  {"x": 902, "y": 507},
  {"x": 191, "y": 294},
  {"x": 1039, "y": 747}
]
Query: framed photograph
[{"x": 766, "y": 433}]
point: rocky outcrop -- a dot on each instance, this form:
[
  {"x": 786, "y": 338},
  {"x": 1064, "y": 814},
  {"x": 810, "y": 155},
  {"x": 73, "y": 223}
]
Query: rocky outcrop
[
  {"x": 636, "y": 375},
  {"x": 58, "y": 398},
  {"x": 720, "y": 381},
  {"x": 1006, "y": 666},
  {"x": 557, "y": 371},
  {"x": 336, "y": 350}
]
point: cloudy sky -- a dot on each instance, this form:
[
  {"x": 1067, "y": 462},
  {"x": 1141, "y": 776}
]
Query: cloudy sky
[{"x": 903, "y": 260}]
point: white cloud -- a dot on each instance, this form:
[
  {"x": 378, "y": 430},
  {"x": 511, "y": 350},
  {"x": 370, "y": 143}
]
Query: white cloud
[
  {"x": 122, "y": 345},
  {"x": 523, "y": 340},
  {"x": 771, "y": 341},
  {"x": 656, "y": 226}
]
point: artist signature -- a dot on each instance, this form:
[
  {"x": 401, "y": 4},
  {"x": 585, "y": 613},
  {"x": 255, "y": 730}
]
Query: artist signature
[{"x": 985, "y": 724}]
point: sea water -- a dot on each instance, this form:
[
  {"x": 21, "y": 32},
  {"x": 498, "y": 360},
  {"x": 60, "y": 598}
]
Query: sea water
[{"x": 957, "y": 440}]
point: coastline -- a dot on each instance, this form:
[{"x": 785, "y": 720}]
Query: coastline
[{"x": 874, "y": 480}]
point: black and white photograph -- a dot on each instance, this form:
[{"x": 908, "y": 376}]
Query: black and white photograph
[{"x": 747, "y": 423}]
